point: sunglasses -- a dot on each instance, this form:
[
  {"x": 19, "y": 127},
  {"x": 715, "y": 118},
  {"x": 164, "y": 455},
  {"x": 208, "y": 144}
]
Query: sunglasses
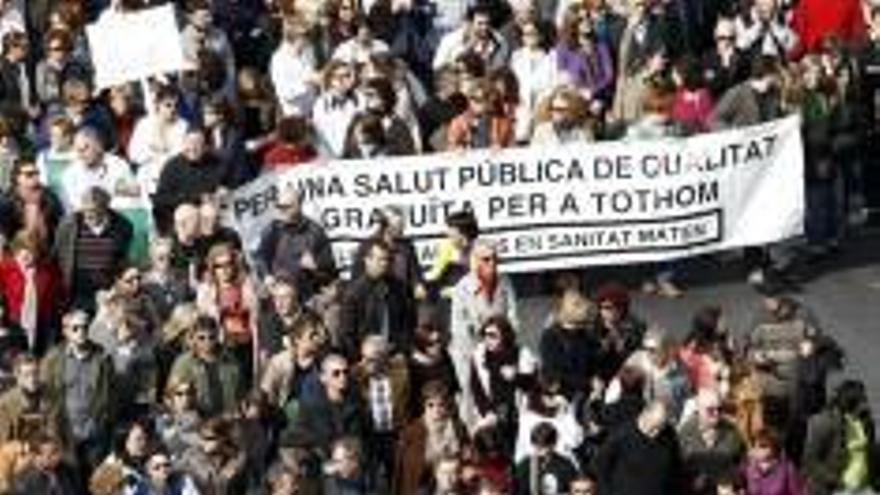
[{"x": 338, "y": 372}]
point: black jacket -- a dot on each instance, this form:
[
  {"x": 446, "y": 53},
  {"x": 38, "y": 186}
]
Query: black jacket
[
  {"x": 554, "y": 471},
  {"x": 320, "y": 423},
  {"x": 571, "y": 356},
  {"x": 404, "y": 262},
  {"x": 363, "y": 305},
  {"x": 183, "y": 181},
  {"x": 282, "y": 245},
  {"x": 630, "y": 463}
]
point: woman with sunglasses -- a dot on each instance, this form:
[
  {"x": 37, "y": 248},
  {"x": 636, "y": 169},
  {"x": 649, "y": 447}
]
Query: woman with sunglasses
[
  {"x": 429, "y": 361},
  {"x": 229, "y": 295},
  {"x": 177, "y": 423},
  {"x": 163, "y": 479}
]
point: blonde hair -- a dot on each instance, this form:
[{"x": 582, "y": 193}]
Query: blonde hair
[
  {"x": 183, "y": 318},
  {"x": 579, "y": 106}
]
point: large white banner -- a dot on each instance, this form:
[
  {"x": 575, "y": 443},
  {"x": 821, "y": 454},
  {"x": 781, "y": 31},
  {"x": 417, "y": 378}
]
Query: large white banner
[
  {"x": 131, "y": 46},
  {"x": 563, "y": 207}
]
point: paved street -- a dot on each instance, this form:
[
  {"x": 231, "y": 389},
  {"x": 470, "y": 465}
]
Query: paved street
[{"x": 844, "y": 295}]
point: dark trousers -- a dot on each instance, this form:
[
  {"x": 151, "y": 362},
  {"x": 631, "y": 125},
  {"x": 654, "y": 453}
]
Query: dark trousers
[
  {"x": 381, "y": 451},
  {"x": 821, "y": 222}
]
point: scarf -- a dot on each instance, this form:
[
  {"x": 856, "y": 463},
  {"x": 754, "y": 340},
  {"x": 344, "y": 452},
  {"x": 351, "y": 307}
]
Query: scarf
[{"x": 487, "y": 281}]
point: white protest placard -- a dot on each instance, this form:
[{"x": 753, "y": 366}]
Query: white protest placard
[
  {"x": 132, "y": 46},
  {"x": 563, "y": 207}
]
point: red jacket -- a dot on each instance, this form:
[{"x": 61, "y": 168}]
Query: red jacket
[
  {"x": 814, "y": 20},
  {"x": 50, "y": 291}
]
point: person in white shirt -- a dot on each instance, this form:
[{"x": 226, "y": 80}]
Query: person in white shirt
[
  {"x": 360, "y": 48},
  {"x": 293, "y": 70},
  {"x": 534, "y": 70},
  {"x": 94, "y": 167},
  {"x": 762, "y": 31},
  {"x": 157, "y": 137},
  {"x": 336, "y": 107},
  {"x": 474, "y": 36}
]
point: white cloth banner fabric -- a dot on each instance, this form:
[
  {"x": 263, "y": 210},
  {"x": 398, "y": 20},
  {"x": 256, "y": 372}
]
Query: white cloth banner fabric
[
  {"x": 131, "y": 46},
  {"x": 562, "y": 207}
]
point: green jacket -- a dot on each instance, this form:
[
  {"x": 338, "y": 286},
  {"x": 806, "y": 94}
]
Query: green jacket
[
  {"x": 102, "y": 404},
  {"x": 15, "y": 422},
  {"x": 191, "y": 369}
]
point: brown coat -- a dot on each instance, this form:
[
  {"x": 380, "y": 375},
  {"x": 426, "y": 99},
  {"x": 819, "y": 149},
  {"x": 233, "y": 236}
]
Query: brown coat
[
  {"x": 398, "y": 374},
  {"x": 411, "y": 469},
  {"x": 458, "y": 134}
]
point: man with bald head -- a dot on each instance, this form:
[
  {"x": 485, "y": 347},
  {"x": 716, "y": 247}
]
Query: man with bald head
[
  {"x": 93, "y": 166},
  {"x": 711, "y": 445},
  {"x": 642, "y": 457},
  {"x": 296, "y": 246}
]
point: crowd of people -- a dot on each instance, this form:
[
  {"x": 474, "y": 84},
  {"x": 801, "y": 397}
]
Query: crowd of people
[{"x": 144, "y": 350}]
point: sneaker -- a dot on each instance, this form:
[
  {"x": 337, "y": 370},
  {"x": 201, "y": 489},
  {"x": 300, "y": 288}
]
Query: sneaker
[
  {"x": 649, "y": 287},
  {"x": 756, "y": 277}
]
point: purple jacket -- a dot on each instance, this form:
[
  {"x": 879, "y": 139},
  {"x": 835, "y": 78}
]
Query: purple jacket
[
  {"x": 597, "y": 75},
  {"x": 781, "y": 479}
]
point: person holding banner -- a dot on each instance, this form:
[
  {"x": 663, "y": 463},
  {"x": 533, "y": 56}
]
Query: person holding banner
[{"x": 751, "y": 102}]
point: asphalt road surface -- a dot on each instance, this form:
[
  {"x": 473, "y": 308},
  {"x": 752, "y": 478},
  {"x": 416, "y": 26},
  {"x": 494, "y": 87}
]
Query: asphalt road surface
[{"x": 843, "y": 292}]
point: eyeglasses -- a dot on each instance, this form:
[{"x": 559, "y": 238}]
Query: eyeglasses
[
  {"x": 222, "y": 264},
  {"x": 164, "y": 466},
  {"x": 338, "y": 372},
  {"x": 724, "y": 37},
  {"x": 78, "y": 327}
]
